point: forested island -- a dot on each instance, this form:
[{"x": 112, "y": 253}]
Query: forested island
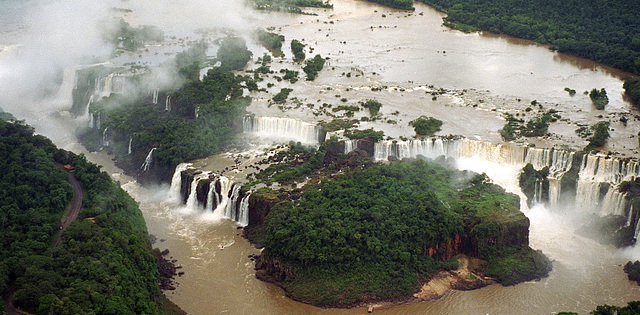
[
  {"x": 101, "y": 263},
  {"x": 359, "y": 231}
]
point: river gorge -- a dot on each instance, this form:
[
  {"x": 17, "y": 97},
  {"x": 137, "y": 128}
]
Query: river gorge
[{"x": 405, "y": 56}]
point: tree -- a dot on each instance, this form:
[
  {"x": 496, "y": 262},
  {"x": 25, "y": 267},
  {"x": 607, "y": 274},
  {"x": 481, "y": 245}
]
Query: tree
[
  {"x": 600, "y": 135},
  {"x": 425, "y": 126},
  {"x": 373, "y": 106},
  {"x": 297, "y": 48},
  {"x": 233, "y": 53}
]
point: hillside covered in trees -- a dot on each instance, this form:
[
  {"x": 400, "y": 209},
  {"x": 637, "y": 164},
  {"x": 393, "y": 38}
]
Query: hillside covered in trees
[
  {"x": 376, "y": 232},
  {"x": 103, "y": 264},
  {"x": 198, "y": 119}
]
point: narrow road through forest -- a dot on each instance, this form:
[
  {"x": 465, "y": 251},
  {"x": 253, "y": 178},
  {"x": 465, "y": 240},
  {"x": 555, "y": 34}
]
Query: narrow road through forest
[{"x": 76, "y": 207}]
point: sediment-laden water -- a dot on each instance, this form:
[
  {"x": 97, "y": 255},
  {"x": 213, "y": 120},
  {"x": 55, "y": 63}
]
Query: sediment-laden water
[{"x": 405, "y": 50}]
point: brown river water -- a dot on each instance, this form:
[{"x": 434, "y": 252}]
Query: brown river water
[{"x": 404, "y": 49}]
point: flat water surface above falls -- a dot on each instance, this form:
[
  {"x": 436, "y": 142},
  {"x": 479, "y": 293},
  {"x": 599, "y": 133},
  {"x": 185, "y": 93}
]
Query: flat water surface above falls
[{"x": 406, "y": 46}]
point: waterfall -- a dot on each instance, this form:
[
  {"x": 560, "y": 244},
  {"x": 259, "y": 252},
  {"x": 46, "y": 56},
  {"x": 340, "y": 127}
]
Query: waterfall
[
  {"x": 283, "y": 129},
  {"x": 554, "y": 191},
  {"x": 64, "y": 96},
  {"x": 598, "y": 176},
  {"x": 191, "y": 201},
  {"x": 98, "y": 124},
  {"x": 602, "y": 168},
  {"x": 243, "y": 217},
  {"x": 195, "y": 112},
  {"x": 130, "y": 140},
  {"x": 105, "y": 142},
  {"x": 92, "y": 123},
  {"x": 176, "y": 180},
  {"x": 87, "y": 114},
  {"x": 155, "y": 97},
  {"x": 223, "y": 197},
  {"x": 637, "y": 231},
  {"x": 614, "y": 203},
  {"x": 167, "y": 103},
  {"x": 147, "y": 161},
  {"x": 230, "y": 209},
  {"x": 537, "y": 197},
  {"x": 107, "y": 87},
  {"x": 350, "y": 145}
]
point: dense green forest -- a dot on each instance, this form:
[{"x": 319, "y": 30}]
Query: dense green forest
[
  {"x": 605, "y": 31},
  {"x": 365, "y": 233},
  {"x": 102, "y": 266}
]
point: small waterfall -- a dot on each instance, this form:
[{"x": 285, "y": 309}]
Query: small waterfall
[
  {"x": 98, "y": 122},
  {"x": 176, "y": 180},
  {"x": 193, "y": 195},
  {"x": 614, "y": 203},
  {"x": 64, "y": 95},
  {"x": 554, "y": 191},
  {"x": 155, "y": 97},
  {"x": 105, "y": 142},
  {"x": 147, "y": 161},
  {"x": 167, "y": 103},
  {"x": 195, "y": 112},
  {"x": 283, "y": 129},
  {"x": 243, "y": 210},
  {"x": 130, "y": 140},
  {"x": 107, "y": 86},
  {"x": 537, "y": 196},
  {"x": 92, "y": 123},
  {"x": 87, "y": 114},
  {"x": 635, "y": 234},
  {"x": 230, "y": 209},
  {"x": 350, "y": 145}
]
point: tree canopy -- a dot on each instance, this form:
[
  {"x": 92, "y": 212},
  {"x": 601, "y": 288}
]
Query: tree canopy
[{"x": 103, "y": 265}]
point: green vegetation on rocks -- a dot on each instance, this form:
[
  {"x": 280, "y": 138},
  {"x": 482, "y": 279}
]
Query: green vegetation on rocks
[
  {"x": 281, "y": 97},
  {"x": 367, "y": 133},
  {"x": 599, "y": 98},
  {"x": 233, "y": 53},
  {"x": 373, "y": 106},
  {"x": 313, "y": 66},
  {"x": 271, "y": 41},
  {"x": 297, "y": 48},
  {"x": 537, "y": 126},
  {"x": 600, "y": 135},
  {"x": 425, "y": 126}
]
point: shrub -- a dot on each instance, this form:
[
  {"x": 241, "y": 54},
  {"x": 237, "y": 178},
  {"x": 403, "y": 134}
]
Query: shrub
[
  {"x": 425, "y": 126},
  {"x": 373, "y": 106}
]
